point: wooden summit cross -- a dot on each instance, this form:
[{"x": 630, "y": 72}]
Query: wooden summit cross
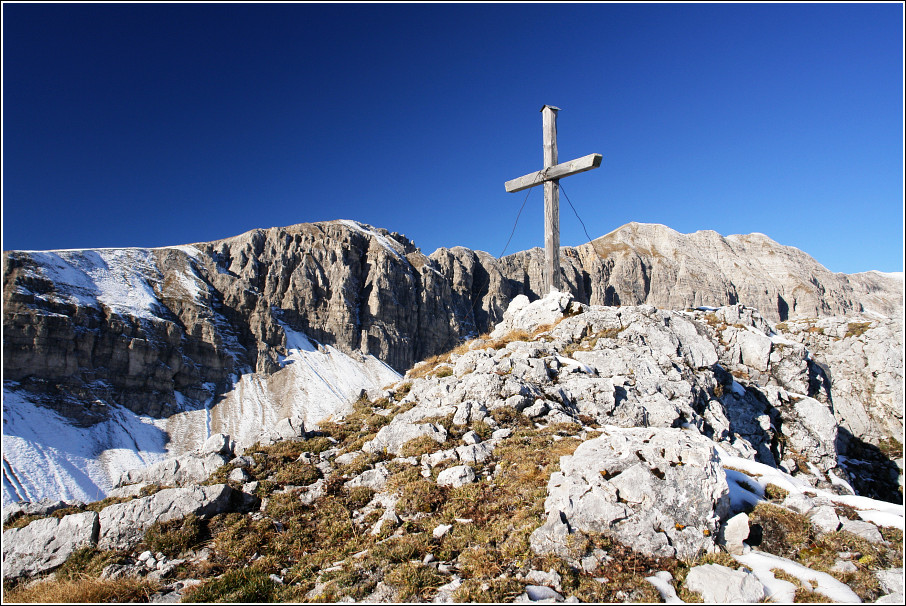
[{"x": 550, "y": 176}]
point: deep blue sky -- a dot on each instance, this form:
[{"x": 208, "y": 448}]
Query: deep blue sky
[{"x": 151, "y": 125}]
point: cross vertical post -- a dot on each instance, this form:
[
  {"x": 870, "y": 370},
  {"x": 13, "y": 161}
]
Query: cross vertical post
[
  {"x": 550, "y": 176},
  {"x": 551, "y": 202}
]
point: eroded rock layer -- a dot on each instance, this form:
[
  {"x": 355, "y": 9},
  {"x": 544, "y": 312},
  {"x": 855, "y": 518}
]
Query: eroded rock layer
[{"x": 157, "y": 330}]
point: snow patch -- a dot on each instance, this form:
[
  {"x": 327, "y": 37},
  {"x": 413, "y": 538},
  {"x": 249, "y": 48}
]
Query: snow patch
[
  {"x": 122, "y": 279},
  {"x": 781, "y": 591},
  {"x": 743, "y": 491},
  {"x": 392, "y": 246}
]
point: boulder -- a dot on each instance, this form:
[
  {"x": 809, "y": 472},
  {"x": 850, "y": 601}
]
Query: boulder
[
  {"x": 123, "y": 525},
  {"x": 798, "y": 502},
  {"x": 457, "y": 476},
  {"x": 392, "y": 437},
  {"x": 218, "y": 443},
  {"x": 291, "y": 428},
  {"x": 551, "y": 537},
  {"x": 46, "y": 543},
  {"x": 374, "y": 479},
  {"x": 891, "y": 580},
  {"x": 177, "y": 471},
  {"x": 825, "y": 518},
  {"x": 539, "y": 593},
  {"x": 754, "y": 349},
  {"x": 239, "y": 475},
  {"x": 38, "y": 508},
  {"x": 719, "y": 584},
  {"x": 734, "y": 532},
  {"x": 526, "y": 316},
  {"x": 662, "y": 491},
  {"x": 866, "y": 530}
]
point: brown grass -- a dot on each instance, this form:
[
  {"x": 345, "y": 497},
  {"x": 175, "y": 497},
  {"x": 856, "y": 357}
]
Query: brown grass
[
  {"x": 784, "y": 532},
  {"x": 416, "y": 447},
  {"x": 83, "y": 590},
  {"x": 856, "y": 329},
  {"x": 510, "y": 337},
  {"x": 775, "y": 493}
]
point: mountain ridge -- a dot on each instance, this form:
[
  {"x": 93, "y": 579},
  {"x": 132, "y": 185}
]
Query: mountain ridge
[{"x": 204, "y": 329}]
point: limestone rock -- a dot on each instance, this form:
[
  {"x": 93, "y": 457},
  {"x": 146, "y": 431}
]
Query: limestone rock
[
  {"x": 525, "y": 316},
  {"x": 550, "y": 537},
  {"x": 734, "y": 532},
  {"x": 177, "y": 471},
  {"x": 661, "y": 490},
  {"x": 218, "y": 443},
  {"x": 374, "y": 479},
  {"x": 290, "y": 429},
  {"x": 40, "y": 508},
  {"x": 719, "y": 584},
  {"x": 825, "y": 518},
  {"x": 866, "y": 530},
  {"x": 798, "y": 502},
  {"x": 539, "y": 593},
  {"x": 862, "y": 358},
  {"x": 891, "y": 580},
  {"x": 124, "y": 524},
  {"x": 392, "y": 437},
  {"x": 239, "y": 475},
  {"x": 46, "y": 543},
  {"x": 456, "y": 476}
]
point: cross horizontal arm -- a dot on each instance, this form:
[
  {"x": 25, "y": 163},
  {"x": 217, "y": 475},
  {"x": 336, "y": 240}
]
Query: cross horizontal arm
[{"x": 558, "y": 171}]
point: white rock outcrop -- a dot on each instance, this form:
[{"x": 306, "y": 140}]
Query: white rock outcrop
[
  {"x": 660, "y": 490},
  {"x": 721, "y": 585},
  {"x": 124, "y": 524},
  {"x": 46, "y": 543}
]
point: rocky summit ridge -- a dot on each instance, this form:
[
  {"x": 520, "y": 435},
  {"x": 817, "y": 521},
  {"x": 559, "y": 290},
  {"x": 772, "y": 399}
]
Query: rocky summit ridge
[
  {"x": 131, "y": 356},
  {"x": 575, "y": 453}
]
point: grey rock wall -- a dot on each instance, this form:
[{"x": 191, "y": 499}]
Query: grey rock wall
[{"x": 218, "y": 308}]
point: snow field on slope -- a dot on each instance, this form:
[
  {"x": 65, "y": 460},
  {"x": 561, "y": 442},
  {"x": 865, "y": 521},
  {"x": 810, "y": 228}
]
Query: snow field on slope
[
  {"x": 46, "y": 457},
  {"x": 315, "y": 382}
]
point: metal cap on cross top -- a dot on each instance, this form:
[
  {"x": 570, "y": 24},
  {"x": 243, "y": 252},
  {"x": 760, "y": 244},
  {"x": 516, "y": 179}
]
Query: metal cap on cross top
[{"x": 550, "y": 176}]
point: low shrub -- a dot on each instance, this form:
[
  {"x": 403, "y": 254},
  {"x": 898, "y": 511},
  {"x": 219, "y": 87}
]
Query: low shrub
[
  {"x": 783, "y": 532},
  {"x": 421, "y": 496},
  {"x": 775, "y": 493},
  {"x": 856, "y": 329},
  {"x": 497, "y": 590},
  {"x": 87, "y": 561}
]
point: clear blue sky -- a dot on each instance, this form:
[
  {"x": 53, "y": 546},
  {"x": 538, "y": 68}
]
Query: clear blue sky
[{"x": 150, "y": 125}]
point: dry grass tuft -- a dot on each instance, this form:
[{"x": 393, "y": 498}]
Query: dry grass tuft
[
  {"x": 176, "y": 536},
  {"x": 775, "y": 493},
  {"x": 414, "y": 581},
  {"x": 856, "y": 329},
  {"x": 510, "y": 337},
  {"x": 783, "y": 532},
  {"x": 83, "y": 590},
  {"x": 416, "y": 447},
  {"x": 237, "y": 585}
]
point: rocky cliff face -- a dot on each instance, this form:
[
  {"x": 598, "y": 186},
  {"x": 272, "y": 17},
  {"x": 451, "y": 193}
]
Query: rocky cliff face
[
  {"x": 653, "y": 264},
  {"x": 160, "y": 331}
]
